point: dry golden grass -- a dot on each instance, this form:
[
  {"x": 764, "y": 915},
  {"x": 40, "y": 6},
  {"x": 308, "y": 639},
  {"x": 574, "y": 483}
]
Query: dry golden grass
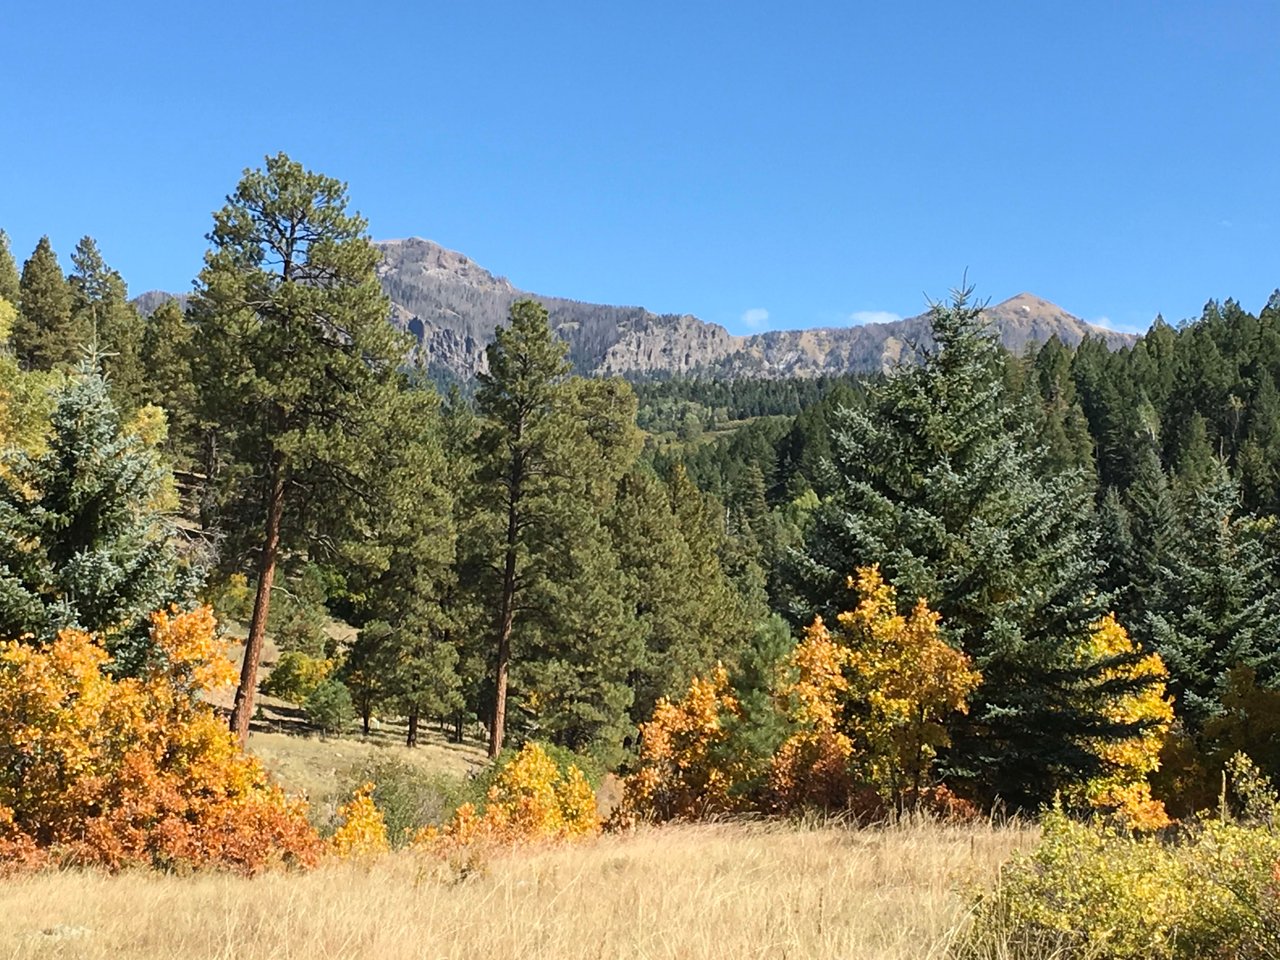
[{"x": 731, "y": 891}]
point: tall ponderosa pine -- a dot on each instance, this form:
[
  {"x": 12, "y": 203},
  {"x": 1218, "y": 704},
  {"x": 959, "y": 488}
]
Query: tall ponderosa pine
[
  {"x": 83, "y": 540},
  {"x": 100, "y": 306},
  {"x": 522, "y": 458},
  {"x": 297, "y": 364},
  {"x": 551, "y": 451},
  {"x": 47, "y": 334},
  {"x": 943, "y": 484},
  {"x": 1220, "y": 607}
]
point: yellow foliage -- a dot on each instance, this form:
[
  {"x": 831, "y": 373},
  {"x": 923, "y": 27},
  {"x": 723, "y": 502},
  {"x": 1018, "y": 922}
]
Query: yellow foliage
[
  {"x": 529, "y": 800},
  {"x": 140, "y": 770},
  {"x": 1090, "y": 890},
  {"x": 812, "y": 767},
  {"x": 684, "y": 772},
  {"x": 26, "y": 400},
  {"x": 869, "y": 701},
  {"x": 363, "y": 832},
  {"x": 8, "y": 314},
  {"x": 150, "y": 424},
  {"x": 909, "y": 679},
  {"x": 1125, "y": 792}
]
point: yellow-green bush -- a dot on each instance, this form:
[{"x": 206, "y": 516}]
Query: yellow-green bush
[
  {"x": 1091, "y": 890},
  {"x": 296, "y": 676}
]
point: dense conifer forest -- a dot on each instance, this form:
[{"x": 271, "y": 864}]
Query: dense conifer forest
[{"x": 551, "y": 557}]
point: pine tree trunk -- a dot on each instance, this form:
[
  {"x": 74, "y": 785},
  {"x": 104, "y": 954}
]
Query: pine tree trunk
[
  {"x": 411, "y": 740},
  {"x": 497, "y": 730},
  {"x": 457, "y": 727},
  {"x": 242, "y": 712},
  {"x": 365, "y": 715}
]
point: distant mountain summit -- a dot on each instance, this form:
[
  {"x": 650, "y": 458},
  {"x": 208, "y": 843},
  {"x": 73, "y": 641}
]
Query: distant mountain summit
[{"x": 452, "y": 306}]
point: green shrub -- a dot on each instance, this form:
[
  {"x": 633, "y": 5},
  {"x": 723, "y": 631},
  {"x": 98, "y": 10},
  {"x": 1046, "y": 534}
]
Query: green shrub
[
  {"x": 410, "y": 797},
  {"x": 1211, "y": 889},
  {"x": 295, "y": 676},
  {"x": 232, "y": 599},
  {"x": 329, "y": 707}
]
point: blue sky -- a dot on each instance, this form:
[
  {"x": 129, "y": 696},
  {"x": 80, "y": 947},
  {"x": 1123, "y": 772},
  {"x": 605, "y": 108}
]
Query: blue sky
[{"x": 762, "y": 165}]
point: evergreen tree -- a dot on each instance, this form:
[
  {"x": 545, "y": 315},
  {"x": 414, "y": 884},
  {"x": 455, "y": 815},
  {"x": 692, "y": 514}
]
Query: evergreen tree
[
  {"x": 550, "y": 453},
  {"x": 9, "y": 282},
  {"x": 83, "y": 541},
  {"x": 166, "y": 353},
  {"x": 296, "y": 365},
  {"x": 1221, "y": 607},
  {"x": 942, "y": 484},
  {"x": 100, "y": 306},
  {"x": 414, "y": 539},
  {"x": 46, "y": 334},
  {"x": 522, "y": 460},
  {"x": 1140, "y": 532},
  {"x": 676, "y": 590}
]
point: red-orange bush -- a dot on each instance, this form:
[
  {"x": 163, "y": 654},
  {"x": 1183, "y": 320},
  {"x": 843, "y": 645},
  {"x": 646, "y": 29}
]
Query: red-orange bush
[{"x": 107, "y": 772}]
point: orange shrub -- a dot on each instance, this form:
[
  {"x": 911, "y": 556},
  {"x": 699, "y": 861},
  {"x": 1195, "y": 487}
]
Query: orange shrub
[
  {"x": 686, "y": 770},
  {"x": 530, "y": 800},
  {"x": 95, "y": 770}
]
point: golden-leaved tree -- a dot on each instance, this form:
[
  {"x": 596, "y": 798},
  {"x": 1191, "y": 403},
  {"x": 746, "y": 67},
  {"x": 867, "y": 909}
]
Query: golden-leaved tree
[{"x": 870, "y": 701}]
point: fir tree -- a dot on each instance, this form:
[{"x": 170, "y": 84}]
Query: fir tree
[
  {"x": 676, "y": 590},
  {"x": 166, "y": 353},
  {"x": 100, "y": 306},
  {"x": 942, "y": 484},
  {"x": 83, "y": 541},
  {"x": 46, "y": 334},
  {"x": 1220, "y": 608}
]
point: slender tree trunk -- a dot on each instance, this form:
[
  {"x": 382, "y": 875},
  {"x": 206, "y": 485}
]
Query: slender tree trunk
[
  {"x": 506, "y": 618},
  {"x": 411, "y": 740},
  {"x": 243, "y": 709},
  {"x": 457, "y": 727},
  {"x": 364, "y": 717}
]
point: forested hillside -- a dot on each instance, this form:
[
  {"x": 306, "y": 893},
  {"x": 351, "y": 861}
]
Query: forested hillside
[{"x": 1080, "y": 540}]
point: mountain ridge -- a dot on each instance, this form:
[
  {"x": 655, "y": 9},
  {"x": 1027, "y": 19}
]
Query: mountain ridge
[{"x": 452, "y": 307}]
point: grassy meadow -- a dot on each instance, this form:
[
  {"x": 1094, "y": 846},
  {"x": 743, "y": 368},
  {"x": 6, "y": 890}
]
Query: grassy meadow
[{"x": 717, "y": 890}]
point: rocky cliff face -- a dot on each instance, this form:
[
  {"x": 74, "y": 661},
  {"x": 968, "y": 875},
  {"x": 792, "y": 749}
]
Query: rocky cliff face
[{"x": 452, "y": 306}]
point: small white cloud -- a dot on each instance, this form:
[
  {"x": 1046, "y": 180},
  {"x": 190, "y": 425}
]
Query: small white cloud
[
  {"x": 1103, "y": 322},
  {"x": 859, "y": 317},
  {"x": 755, "y": 318}
]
